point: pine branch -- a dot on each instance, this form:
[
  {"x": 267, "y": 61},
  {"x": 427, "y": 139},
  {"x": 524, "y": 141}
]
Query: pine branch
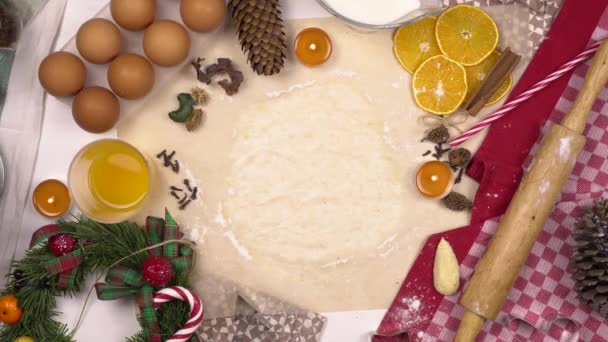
[
  {"x": 109, "y": 242},
  {"x": 38, "y": 311},
  {"x": 36, "y": 289},
  {"x": 139, "y": 337}
]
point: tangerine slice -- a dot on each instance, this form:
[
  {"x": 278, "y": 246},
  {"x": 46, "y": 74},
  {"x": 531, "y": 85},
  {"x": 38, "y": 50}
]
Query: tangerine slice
[
  {"x": 440, "y": 85},
  {"x": 415, "y": 43},
  {"x": 466, "y": 34}
]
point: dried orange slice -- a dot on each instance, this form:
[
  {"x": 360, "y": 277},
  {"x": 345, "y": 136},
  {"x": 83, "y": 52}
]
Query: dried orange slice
[
  {"x": 440, "y": 85},
  {"x": 477, "y": 73},
  {"x": 415, "y": 43},
  {"x": 466, "y": 34}
]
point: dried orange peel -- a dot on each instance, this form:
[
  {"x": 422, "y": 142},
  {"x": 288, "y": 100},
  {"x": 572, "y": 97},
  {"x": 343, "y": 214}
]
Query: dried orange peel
[
  {"x": 440, "y": 85},
  {"x": 415, "y": 43},
  {"x": 466, "y": 34}
]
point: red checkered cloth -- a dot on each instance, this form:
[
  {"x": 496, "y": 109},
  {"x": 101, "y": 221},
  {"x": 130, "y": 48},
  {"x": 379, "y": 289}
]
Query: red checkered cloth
[{"x": 542, "y": 305}]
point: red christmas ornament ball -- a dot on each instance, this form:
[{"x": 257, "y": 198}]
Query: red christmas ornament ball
[
  {"x": 62, "y": 244},
  {"x": 157, "y": 271}
]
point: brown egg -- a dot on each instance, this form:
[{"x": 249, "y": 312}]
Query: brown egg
[
  {"x": 131, "y": 76},
  {"x": 96, "y": 109},
  {"x": 203, "y": 15},
  {"x": 166, "y": 43},
  {"x": 62, "y": 74},
  {"x": 133, "y": 15},
  {"x": 98, "y": 41}
]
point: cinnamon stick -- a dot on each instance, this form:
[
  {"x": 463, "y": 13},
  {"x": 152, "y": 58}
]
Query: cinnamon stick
[{"x": 499, "y": 73}]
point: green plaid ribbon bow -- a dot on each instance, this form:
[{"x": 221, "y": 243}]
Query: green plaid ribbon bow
[
  {"x": 122, "y": 281},
  {"x": 64, "y": 266}
]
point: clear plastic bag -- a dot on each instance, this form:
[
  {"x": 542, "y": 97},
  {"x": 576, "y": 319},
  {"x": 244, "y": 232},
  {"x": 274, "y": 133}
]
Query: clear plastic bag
[
  {"x": 21, "y": 118},
  {"x": 14, "y": 15}
]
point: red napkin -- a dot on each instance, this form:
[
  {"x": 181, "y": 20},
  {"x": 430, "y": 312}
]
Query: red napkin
[{"x": 497, "y": 166}]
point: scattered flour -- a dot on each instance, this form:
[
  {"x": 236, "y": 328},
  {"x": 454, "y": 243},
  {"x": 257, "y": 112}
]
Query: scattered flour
[
  {"x": 544, "y": 186},
  {"x": 219, "y": 216},
  {"x": 388, "y": 251},
  {"x": 408, "y": 314},
  {"x": 413, "y": 303},
  {"x": 388, "y": 137},
  {"x": 387, "y": 241},
  {"x": 278, "y": 93},
  {"x": 194, "y": 182},
  {"x": 198, "y": 232},
  {"x": 342, "y": 73},
  {"x": 388, "y": 246},
  {"x": 336, "y": 263},
  {"x": 477, "y": 308},
  {"x": 564, "y": 148},
  {"x": 237, "y": 245}
]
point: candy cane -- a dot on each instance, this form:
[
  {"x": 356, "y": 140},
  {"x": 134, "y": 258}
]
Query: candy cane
[
  {"x": 196, "y": 310},
  {"x": 519, "y": 99}
]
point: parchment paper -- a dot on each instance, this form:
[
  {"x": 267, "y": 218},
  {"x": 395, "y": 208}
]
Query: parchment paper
[{"x": 260, "y": 222}]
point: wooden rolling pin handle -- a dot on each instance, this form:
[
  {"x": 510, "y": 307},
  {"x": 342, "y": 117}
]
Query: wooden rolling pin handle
[
  {"x": 596, "y": 78},
  {"x": 470, "y": 326},
  {"x": 530, "y": 207}
]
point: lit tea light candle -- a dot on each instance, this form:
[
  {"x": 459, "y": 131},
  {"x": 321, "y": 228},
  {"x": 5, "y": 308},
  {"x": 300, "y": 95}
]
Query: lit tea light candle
[
  {"x": 312, "y": 47},
  {"x": 435, "y": 179},
  {"x": 51, "y": 198}
]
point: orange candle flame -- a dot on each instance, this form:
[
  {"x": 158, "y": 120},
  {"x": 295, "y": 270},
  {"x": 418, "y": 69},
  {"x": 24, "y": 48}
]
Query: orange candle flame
[
  {"x": 51, "y": 198},
  {"x": 312, "y": 46},
  {"x": 435, "y": 179}
]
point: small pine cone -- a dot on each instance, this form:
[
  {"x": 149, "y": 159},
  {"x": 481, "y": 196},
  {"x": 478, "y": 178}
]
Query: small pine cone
[
  {"x": 195, "y": 120},
  {"x": 459, "y": 157},
  {"x": 438, "y": 135},
  {"x": 590, "y": 257},
  {"x": 200, "y": 96},
  {"x": 260, "y": 30},
  {"x": 457, "y": 202}
]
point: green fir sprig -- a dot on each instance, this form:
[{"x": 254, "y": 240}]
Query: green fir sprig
[{"x": 103, "y": 245}]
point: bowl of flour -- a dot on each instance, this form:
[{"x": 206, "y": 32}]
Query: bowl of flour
[{"x": 381, "y": 14}]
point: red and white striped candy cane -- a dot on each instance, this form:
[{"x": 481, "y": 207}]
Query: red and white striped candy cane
[
  {"x": 512, "y": 104},
  {"x": 196, "y": 310}
]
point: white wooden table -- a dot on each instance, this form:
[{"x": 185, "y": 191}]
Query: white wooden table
[{"x": 61, "y": 139}]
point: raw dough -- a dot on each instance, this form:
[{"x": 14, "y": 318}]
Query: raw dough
[
  {"x": 306, "y": 178},
  {"x": 313, "y": 180},
  {"x": 446, "y": 271}
]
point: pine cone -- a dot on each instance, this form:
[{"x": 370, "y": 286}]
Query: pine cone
[
  {"x": 438, "y": 135},
  {"x": 457, "y": 202},
  {"x": 200, "y": 96},
  {"x": 260, "y": 30},
  {"x": 459, "y": 157},
  {"x": 591, "y": 257}
]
